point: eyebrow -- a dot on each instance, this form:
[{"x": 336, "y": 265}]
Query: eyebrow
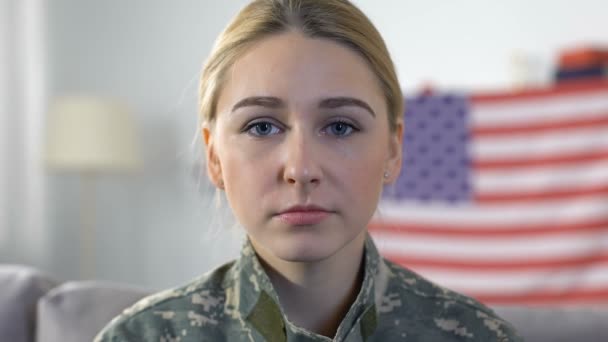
[
  {"x": 259, "y": 101},
  {"x": 330, "y": 103},
  {"x": 337, "y": 102}
]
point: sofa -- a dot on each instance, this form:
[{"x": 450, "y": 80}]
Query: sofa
[{"x": 36, "y": 307}]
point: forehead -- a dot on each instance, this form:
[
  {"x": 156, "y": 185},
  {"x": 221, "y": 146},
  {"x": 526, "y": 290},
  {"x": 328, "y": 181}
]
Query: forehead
[{"x": 300, "y": 69}]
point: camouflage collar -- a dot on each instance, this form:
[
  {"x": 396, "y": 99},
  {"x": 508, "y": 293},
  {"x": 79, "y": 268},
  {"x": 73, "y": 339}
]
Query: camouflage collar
[{"x": 258, "y": 300}]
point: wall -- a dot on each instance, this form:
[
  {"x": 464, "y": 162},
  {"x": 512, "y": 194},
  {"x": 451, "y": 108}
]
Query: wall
[
  {"x": 471, "y": 44},
  {"x": 156, "y": 229}
]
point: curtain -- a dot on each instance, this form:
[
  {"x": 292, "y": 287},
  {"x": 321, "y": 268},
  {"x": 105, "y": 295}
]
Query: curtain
[{"x": 22, "y": 109}]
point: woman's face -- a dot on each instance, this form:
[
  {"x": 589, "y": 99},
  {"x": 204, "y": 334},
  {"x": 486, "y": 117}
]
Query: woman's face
[{"x": 301, "y": 144}]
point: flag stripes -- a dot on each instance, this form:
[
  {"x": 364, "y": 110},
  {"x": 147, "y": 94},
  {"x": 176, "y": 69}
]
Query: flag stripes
[{"x": 530, "y": 221}]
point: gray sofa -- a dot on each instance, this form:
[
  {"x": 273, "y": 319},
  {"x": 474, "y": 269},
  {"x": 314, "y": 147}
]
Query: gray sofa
[{"x": 35, "y": 307}]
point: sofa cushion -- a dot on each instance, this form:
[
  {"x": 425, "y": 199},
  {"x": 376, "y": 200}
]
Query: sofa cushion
[
  {"x": 538, "y": 324},
  {"x": 20, "y": 289},
  {"x": 77, "y": 311}
]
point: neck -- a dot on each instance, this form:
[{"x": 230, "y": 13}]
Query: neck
[{"x": 312, "y": 299}]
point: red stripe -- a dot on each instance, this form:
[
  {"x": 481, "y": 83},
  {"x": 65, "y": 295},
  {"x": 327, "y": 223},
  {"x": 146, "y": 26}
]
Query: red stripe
[
  {"x": 419, "y": 264},
  {"x": 539, "y": 162},
  {"x": 570, "y": 88},
  {"x": 582, "y": 57},
  {"x": 502, "y": 130},
  {"x": 533, "y": 196},
  {"x": 545, "y": 297},
  {"x": 475, "y": 230}
]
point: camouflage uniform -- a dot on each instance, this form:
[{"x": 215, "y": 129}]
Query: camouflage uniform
[{"x": 236, "y": 302}]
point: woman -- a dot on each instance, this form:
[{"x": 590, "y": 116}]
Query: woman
[{"x": 301, "y": 115}]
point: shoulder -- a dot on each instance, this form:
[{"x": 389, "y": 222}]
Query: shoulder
[
  {"x": 172, "y": 313},
  {"x": 436, "y": 310}
]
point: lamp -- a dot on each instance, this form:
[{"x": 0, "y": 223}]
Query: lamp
[{"x": 89, "y": 135}]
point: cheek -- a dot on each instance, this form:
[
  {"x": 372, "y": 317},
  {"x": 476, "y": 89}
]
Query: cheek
[
  {"x": 239, "y": 169},
  {"x": 240, "y": 158},
  {"x": 365, "y": 179},
  {"x": 362, "y": 173},
  {"x": 247, "y": 172}
]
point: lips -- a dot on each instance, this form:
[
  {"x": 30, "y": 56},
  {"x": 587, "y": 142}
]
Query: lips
[{"x": 303, "y": 215}]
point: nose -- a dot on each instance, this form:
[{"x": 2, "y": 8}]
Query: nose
[{"x": 301, "y": 160}]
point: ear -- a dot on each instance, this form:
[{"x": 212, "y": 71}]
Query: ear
[
  {"x": 395, "y": 155},
  {"x": 214, "y": 167}
]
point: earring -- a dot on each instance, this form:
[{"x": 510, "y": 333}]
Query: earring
[{"x": 386, "y": 174}]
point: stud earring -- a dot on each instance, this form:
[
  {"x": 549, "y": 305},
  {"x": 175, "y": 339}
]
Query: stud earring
[{"x": 386, "y": 174}]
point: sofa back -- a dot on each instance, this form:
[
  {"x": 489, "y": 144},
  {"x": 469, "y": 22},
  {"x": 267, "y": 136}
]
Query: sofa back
[
  {"x": 20, "y": 289},
  {"x": 76, "y": 311}
]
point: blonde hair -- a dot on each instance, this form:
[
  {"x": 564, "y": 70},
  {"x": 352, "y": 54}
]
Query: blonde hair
[{"x": 336, "y": 20}]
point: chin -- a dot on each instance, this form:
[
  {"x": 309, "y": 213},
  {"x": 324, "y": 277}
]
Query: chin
[
  {"x": 306, "y": 250},
  {"x": 302, "y": 256}
]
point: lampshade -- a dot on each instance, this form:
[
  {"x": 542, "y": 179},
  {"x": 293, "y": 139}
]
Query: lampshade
[{"x": 91, "y": 134}]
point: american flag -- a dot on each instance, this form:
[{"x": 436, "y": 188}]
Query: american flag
[{"x": 504, "y": 196}]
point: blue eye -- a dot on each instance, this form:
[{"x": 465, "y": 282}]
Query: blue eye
[
  {"x": 340, "y": 128},
  {"x": 262, "y": 129}
]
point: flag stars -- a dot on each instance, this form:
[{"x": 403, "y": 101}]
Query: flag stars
[
  {"x": 448, "y": 99},
  {"x": 451, "y": 174},
  {"x": 419, "y": 100},
  {"x": 436, "y": 161}
]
